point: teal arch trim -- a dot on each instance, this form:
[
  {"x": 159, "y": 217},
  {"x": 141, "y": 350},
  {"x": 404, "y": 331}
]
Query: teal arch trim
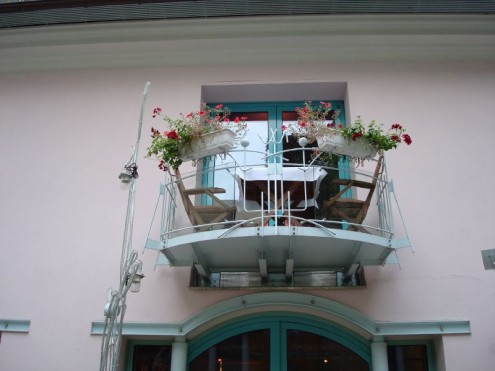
[
  {"x": 284, "y": 301},
  {"x": 279, "y": 323}
]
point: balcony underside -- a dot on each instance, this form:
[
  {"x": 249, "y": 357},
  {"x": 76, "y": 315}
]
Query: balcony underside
[{"x": 273, "y": 254}]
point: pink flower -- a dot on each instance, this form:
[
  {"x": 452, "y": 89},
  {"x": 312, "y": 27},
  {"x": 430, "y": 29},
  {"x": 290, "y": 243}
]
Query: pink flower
[
  {"x": 302, "y": 124},
  {"x": 244, "y": 118},
  {"x": 189, "y": 115},
  {"x": 284, "y": 127},
  {"x": 326, "y": 104},
  {"x": 226, "y": 119},
  {"x": 219, "y": 106},
  {"x": 217, "y": 117},
  {"x": 202, "y": 113}
]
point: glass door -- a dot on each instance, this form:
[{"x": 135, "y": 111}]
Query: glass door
[{"x": 279, "y": 345}]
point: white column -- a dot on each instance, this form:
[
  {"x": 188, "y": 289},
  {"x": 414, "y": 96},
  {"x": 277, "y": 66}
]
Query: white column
[
  {"x": 379, "y": 359},
  {"x": 179, "y": 355}
]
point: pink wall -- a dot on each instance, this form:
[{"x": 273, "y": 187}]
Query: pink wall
[{"x": 66, "y": 135}]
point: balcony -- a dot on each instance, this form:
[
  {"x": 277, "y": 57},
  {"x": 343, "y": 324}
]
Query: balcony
[{"x": 279, "y": 223}]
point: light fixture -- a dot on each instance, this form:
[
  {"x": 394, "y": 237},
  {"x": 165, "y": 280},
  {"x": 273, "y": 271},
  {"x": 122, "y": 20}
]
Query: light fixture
[
  {"x": 128, "y": 172},
  {"x": 488, "y": 257},
  {"x": 125, "y": 175},
  {"x": 137, "y": 276}
]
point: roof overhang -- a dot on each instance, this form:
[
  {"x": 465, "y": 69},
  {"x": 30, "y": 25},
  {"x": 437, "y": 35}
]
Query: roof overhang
[{"x": 251, "y": 41}]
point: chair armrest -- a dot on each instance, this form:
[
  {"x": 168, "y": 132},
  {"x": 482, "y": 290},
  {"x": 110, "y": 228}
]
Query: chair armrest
[
  {"x": 354, "y": 183},
  {"x": 199, "y": 191}
]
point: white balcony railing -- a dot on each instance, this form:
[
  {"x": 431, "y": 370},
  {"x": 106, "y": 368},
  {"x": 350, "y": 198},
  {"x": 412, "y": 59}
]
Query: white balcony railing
[{"x": 279, "y": 218}]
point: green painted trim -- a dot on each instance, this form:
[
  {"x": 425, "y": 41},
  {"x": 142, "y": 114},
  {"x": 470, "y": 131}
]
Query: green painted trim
[
  {"x": 14, "y": 325},
  {"x": 295, "y": 301},
  {"x": 225, "y": 331}
]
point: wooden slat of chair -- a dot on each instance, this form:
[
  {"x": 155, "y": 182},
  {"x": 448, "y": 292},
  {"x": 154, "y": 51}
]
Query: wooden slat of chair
[
  {"x": 204, "y": 214},
  {"x": 349, "y": 209}
]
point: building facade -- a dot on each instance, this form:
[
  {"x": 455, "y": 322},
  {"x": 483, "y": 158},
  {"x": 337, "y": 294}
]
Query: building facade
[{"x": 71, "y": 83}]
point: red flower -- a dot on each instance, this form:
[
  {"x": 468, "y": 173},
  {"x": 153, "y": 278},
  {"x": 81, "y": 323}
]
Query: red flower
[
  {"x": 326, "y": 104},
  {"x": 172, "y": 135},
  {"x": 156, "y": 111},
  {"x": 226, "y": 119},
  {"x": 340, "y": 126},
  {"x": 244, "y": 118},
  {"x": 237, "y": 119},
  {"x": 284, "y": 127},
  {"x": 396, "y": 126},
  {"x": 356, "y": 135},
  {"x": 407, "y": 139},
  {"x": 302, "y": 124},
  {"x": 330, "y": 125},
  {"x": 395, "y": 138},
  {"x": 162, "y": 166},
  {"x": 202, "y": 113}
]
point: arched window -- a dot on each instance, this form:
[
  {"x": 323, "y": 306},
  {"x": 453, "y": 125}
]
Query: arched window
[{"x": 279, "y": 343}]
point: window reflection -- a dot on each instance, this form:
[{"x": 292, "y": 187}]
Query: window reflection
[
  {"x": 151, "y": 357},
  {"x": 307, "y": 351},
  {"x": 245, "y": 352},
  {"x": 257, "y": 134},
  {"x": 407, "y": 358}
]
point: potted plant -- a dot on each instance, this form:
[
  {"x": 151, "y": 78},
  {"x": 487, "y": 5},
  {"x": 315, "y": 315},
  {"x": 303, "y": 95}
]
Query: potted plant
[
  {"x": 207, "y": 132},
  {"x": 356, "y": 141},
  {"x": 359, "y": 141}
]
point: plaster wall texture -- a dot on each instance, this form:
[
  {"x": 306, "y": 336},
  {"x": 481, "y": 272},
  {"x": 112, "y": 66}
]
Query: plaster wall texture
[{"x": 65, "y": 136}]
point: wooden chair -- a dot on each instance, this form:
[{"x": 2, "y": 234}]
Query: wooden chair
[
  {"x": 207, "y": 214},
  {"x": 352, "y": 210}
]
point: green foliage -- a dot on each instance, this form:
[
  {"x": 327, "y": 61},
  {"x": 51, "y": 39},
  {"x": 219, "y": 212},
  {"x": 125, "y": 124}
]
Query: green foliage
[{"x": 166, "y": 146}]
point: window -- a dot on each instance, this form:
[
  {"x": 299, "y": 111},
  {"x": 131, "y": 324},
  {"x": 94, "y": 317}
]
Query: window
[
  {"x": 149, "y": 356},
  {"x": 264, "y": 124},
  {"x": 409, "y": 357},
  {"x": 279, "y": 343}
]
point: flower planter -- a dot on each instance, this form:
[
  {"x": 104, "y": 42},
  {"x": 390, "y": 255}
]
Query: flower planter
[
  {"x": 210, "y": 144},
  {"x": 338, "y": 145}
]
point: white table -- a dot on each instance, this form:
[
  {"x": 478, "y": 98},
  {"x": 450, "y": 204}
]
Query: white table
[{"x": 301, "y": 184}]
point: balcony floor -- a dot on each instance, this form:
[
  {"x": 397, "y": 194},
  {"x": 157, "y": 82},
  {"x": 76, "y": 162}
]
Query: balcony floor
[{"x": 310, "y": 248}]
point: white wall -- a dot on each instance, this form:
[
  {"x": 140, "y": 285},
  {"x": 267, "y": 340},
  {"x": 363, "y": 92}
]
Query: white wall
[{"x": 66, "y": 135}]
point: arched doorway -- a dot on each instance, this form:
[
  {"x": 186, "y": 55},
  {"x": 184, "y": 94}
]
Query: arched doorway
[{"x": 278, "y": 342}]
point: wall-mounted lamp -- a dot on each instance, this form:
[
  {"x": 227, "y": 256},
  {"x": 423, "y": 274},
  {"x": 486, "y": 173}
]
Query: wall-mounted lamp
[
  {"x": 128, "y": 172},
  {"x": 137, "y": 276},
  {"x": 488, "y": 258}
]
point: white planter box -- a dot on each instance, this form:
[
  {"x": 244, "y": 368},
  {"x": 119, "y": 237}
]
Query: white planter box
[
  {"x": 209, "y": 144},
  {"x": 338, "y": 145}
]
